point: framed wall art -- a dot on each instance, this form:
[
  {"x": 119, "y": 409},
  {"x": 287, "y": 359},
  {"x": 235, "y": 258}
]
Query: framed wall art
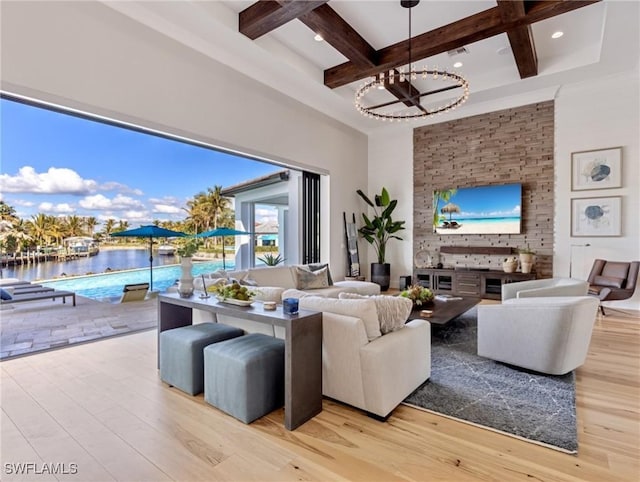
[
  {"x": 599, "y": 169},
  {"x": 599, "y": 216}
]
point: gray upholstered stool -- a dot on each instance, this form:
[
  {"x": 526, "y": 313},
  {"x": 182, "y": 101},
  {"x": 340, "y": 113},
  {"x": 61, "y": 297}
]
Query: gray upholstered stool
[
  {"x": 181, "y": 357},
  {"x": 244, "y": 377}
]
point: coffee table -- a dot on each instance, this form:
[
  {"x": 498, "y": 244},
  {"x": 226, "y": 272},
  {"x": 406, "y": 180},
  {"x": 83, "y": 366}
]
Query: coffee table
[{"x": 445, "y": 311}]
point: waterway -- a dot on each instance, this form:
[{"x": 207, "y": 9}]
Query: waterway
[{"x": 103, "y": 276}]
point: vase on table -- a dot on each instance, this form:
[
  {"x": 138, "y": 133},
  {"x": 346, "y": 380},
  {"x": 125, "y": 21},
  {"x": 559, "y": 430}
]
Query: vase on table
[{"x": 185, "y": 284}]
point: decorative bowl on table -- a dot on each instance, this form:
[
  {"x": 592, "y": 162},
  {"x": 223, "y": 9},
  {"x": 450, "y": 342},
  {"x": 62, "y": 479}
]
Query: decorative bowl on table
[
  {"x": 234, "y": 294},
  {"x": 419, "y": 295}
]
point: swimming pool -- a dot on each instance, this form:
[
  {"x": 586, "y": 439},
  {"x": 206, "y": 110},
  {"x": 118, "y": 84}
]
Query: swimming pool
[{"x": 109, "y": 285}]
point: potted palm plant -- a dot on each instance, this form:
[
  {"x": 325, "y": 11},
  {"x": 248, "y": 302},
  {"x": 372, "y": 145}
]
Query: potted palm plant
[{"x": 378, "y": 231}]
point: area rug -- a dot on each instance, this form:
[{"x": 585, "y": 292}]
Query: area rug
[{"x": 537, "y": 408}]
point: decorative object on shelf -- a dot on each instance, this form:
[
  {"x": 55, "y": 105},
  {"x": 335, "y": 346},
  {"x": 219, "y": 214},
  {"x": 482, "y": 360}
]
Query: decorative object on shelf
[
  {"x": 596, "y": 216},
  {"x": 269, "y": 305},
  {"x": 418, "y": 295},
  {"x": 185, "y": 284},
  {"x": 414, "y": 110},
  {"x": 378, "y": 231},
  {"x": 423, "y": 259},
  {"x": 527, "y": 258},
  {"x": 510, "y": 265},
  {"x": 599, "y": 169},
  {"x": 205, "y": 293},
  {"x": 290, "y": 306},
  {"x": 235, "y": 294}
]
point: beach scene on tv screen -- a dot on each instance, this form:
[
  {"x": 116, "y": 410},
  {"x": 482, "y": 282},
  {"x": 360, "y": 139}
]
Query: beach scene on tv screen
[{"x": 478, "y": 210}]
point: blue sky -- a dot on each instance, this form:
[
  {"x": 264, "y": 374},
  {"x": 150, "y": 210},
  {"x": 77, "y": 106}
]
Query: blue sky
[
  {"x": 488, "y": 201},
  {"x": 59, "y": 164}
]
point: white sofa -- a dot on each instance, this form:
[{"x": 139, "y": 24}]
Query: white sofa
[
  {"x": 371, "y": 373},
  {"x": 270, "y": 283},
  {"x": 544, "y": 287},
  {"x": 545, "y": 334}
]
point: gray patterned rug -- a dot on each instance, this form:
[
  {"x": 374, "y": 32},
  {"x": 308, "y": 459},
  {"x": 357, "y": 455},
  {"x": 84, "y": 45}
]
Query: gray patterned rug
[{"x": 538, "y": 408}]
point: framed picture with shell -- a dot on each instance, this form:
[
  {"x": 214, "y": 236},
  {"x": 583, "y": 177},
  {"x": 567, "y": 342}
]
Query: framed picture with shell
[
  {"x": 598, "y": 216},
  {"x": 599, "y": 169}
]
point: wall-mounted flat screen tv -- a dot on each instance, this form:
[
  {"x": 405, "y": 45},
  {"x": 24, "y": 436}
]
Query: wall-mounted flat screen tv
[{"x": 478, "y": 210}]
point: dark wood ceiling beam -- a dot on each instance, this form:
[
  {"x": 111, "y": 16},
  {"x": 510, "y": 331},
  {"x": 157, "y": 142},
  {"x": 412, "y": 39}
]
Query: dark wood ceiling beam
[
  {"x": 477, "y": 27},
  {"x": 267, "y": 15},
  {"x": 520, "y": 38},
  {"x": 340, "y": 35},
  {"x": 346, "y": 40}
]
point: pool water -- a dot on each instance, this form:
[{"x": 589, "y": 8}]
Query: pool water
[{"x": 108, "y": 286}]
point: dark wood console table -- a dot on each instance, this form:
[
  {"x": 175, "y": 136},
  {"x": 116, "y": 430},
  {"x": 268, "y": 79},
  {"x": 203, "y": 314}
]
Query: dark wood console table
[
  {"x": 467, "y": 281},
  {"x": 302, "y": 352}
]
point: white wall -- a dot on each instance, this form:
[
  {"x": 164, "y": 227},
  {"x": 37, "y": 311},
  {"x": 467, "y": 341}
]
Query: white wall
[
  {"x": 588, "y": 115},
  {"x": 595, "y": 115},
  {"x": 86, "y": 56}
]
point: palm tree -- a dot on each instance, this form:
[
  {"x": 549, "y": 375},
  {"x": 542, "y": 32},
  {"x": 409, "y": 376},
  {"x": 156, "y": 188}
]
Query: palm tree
[
  {"x": 40, "y": 228},
  {"x": 7, "y": 213},
  {"x": 91, "y": 222},
  {"x": 109, "y": 227},
  {"x": 74, "y": 226},
  {"x": 445, "y": 197}
]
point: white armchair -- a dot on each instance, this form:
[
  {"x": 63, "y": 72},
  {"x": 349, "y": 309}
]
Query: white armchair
[
  {"x": 547, "y": 335},
  {"x": 544, "y": 287},
  {"x": 372, "y": 374}
]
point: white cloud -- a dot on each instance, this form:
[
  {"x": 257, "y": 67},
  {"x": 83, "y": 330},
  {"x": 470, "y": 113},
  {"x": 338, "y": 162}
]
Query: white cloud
[
  {"x": 23, "y": 203},
  {"x": 62, "y": 208},
  {"x": 136, "y": 215},
  {"x": 166, "y": 209},
  {"x": 54, "y": 181},
  {"x": 123, "y": 188},
  {"x": 118, "y": 203}
]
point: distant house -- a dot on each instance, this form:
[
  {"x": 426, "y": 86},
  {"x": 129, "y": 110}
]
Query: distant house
[{"x": 278, "y": 192}]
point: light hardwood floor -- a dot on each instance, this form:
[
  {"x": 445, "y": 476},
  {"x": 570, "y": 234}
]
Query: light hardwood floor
[{"x": 101, "y": 406}]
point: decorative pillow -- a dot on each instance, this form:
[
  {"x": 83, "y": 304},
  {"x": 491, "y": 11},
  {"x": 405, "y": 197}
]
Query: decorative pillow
[
  {"x": 294, "y": 293},
  {"x": 248, "y": 281},
  {"x": 268, "y": 293},
  {"x": 5, "y": 295},
  {"x": 308, "y": 280},
  {"x": 363, "y": 309},
  {"x": 317, "y": 266},
  {"x": 609, "y": 281},
  {"x": 208, "y": 282},
  {"x": 393, "y": 311},
  {"x": 219, "y": 274}
]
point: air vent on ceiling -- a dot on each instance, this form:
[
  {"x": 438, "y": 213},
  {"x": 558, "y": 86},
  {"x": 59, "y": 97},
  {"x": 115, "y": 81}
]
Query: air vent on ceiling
[{"x": 458, "y": 51}]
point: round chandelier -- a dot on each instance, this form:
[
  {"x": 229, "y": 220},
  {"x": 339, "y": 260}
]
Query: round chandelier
[{"x": 384, "y": 80}]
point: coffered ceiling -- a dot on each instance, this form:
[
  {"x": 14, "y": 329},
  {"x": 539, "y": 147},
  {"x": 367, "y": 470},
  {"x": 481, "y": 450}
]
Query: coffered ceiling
[{"x": 505, "y": 47}]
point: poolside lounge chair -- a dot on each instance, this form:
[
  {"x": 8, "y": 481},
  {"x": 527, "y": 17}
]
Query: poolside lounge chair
[
  {"x": 134, "y": 292},
  {"x": 46, "y": 295},
  {"x": 26, "y": 289}
]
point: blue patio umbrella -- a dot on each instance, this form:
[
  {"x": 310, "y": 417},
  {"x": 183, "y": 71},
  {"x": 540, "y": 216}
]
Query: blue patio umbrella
[
  {"x": 150, "y": 231},
  {"x": 222, "y": 232}
]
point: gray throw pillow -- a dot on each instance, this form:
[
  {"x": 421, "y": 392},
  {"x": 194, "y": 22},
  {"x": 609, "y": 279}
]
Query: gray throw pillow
[
  {"x": 309, "y": 280},
  {"x": 317, "y": 266}
]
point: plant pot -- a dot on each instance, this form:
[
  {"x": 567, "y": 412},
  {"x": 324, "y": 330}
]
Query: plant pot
[
  {"x": 509, "y": 266},
  {"x": 526, "y": 267},
  {"x": 381, "y": 274},
  {"x": 185, "y": 285},
  {"x": 526, "y": 258}
]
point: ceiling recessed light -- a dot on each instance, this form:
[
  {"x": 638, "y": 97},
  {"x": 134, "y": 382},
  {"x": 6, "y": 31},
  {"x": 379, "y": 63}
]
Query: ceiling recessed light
[
  {"x": 557, "y": 34},
  {"x": 457, "y": 65},
  {"x": 318, "y": 38},
  {"x": 503, "y": 50}
]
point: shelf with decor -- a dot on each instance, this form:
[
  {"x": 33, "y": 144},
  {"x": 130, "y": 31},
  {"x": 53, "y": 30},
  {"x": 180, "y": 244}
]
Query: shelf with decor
[{"x": 468, "y": 281}]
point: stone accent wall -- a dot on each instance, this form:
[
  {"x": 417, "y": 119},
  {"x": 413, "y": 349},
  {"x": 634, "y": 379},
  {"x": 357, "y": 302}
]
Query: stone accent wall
[{"x": 503, "y": 147}]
